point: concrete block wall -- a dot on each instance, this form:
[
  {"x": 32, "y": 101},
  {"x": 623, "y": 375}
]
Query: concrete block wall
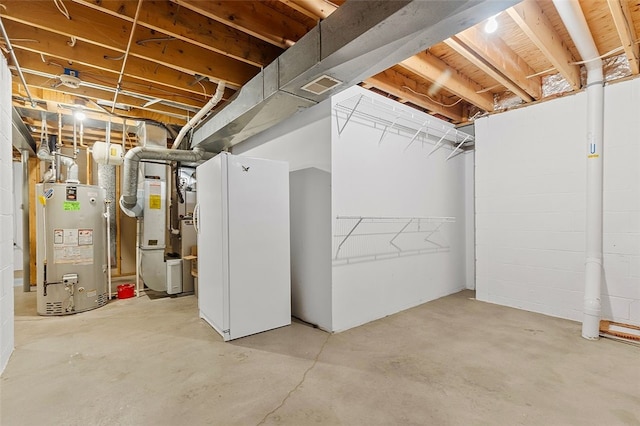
[
  {"x": 6, "y": 218},
  {"x": 530, "y": 183}
]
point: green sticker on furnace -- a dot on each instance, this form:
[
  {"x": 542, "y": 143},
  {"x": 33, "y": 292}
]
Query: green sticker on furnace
[{"x": 72, "y": 205}]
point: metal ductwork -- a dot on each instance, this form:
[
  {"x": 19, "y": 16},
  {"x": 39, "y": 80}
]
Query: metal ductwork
[
  {"x": 360, "y": 39},
  {"x": 21, "y": 136},
  {"x": 129, "y": 198}
]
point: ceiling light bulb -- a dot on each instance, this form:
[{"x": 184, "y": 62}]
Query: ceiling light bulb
[
  {"x": 80, "y": 115},
  {"x": 491, "y": 26}
]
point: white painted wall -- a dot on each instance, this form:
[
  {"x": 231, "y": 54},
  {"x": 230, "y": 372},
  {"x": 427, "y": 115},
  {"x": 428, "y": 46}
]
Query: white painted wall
[
  {"x": 388, "y": 179},
  {"x": 6, "y": 218},
  {"x": 17, "y": 216},
  {"x": 470, "y": 219},
  {"x": 530, "y": 206},
  {"x": 310, "y": 191}
]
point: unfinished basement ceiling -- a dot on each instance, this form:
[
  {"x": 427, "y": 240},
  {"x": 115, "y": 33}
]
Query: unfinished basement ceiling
[{"x": 161, "y": 60}]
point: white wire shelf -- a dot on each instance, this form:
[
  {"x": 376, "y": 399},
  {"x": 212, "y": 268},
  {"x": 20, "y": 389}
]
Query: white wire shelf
[
  {"x": 366, "y": 238},
  {"x": 399, "y": 120}
]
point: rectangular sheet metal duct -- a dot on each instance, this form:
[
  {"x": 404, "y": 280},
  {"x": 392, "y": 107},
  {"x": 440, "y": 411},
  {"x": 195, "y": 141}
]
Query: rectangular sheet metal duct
[{"x": 360, "y": 39}]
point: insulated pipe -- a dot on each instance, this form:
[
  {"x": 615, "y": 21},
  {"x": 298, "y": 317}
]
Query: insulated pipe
[
  {"x": 129, "y": 197},
  {"x": 75, "y": 137},
  {"x": 196, "y": 118},
  {"x": 108, "y": 139},
  {"x": 574, "y": 20}
]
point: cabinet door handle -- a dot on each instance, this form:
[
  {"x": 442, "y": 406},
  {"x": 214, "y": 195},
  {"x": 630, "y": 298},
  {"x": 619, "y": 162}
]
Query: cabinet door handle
[{"x": 196, "y": 217}]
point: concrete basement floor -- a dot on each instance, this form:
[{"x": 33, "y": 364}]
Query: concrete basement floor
[{"x": 453, "y": 361}]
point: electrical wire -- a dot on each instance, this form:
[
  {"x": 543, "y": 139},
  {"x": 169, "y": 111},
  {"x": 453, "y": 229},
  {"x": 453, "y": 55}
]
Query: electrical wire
[
  {"x": 146, "y": 120},
  {"x": 62, "y": 8},
  {"x": 156, "y": 91},
  {"x": 433, "y": 100},
  {"x": 204, "y": 89},
  {"x": 488, "y": 89},
  {"x": 155, "y": 40},
  {"x": 609, "y": 53},
  {"x": 541, "y": 72}
]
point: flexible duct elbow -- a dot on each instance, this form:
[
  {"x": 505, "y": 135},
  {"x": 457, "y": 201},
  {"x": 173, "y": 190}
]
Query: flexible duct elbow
[
  {"x": 44, "y": 153},
  {"x": 129, "y": 198}
]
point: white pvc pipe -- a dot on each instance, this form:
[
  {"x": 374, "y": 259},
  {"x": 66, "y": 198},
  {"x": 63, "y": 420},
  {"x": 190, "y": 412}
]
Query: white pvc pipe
[
  {"x": 108, "y": 138},
  {"x": 217, "y": 97},
  {"x": 575, "y": 22}
]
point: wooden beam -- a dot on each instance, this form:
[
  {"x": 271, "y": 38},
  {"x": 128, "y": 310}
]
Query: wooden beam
[
  {"x": 30, "y": 61},
  {"x": 187, "y": 25},
  {"x": 40, "y": 93},
  {"x": 494, "y": 57},
  {"x": 109, "y": 32},
  {"x": 36, "y": 81},
  {"x": 54, "y": 45},
  {"x": 433, "y": 69},
  {"x": 317, "y": 9},
  {"x": 85, "y": 24},
  {"x": 401, "y": 86},
  {"x": 301, "y": 8},
  {"x": 529, "y": 16},
  {"x": 66, "y": 136},
  {"x": 63, "y": 103},
  {"x": 252, "y": 17},
  {"x": 622, "y": 18},
  {"x": 189, "y": 58}
]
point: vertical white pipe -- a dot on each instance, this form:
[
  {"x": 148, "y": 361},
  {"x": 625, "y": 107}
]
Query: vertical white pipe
[
  {"x": 108, "y": 139},
  {"x": 576, "y": 24},
  {"x": 75, "y": 136}
]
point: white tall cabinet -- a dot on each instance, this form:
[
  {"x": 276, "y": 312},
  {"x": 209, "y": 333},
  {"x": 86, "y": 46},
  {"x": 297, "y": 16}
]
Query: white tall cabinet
[{"x": 242, "y": 219}]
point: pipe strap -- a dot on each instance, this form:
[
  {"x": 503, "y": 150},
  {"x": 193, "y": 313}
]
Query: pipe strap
[{"x": 595, "y": 83}]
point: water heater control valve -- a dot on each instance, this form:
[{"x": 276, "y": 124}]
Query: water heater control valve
[{"x": 70, "y": 279}]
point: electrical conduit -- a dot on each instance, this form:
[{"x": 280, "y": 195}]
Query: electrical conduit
[{"x": 574, "y": 20}]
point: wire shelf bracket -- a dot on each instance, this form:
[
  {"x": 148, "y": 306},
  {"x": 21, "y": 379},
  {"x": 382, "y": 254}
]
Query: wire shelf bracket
[
  {"x": 399, "y": 120},
  {"x": 361, "y": 238}
]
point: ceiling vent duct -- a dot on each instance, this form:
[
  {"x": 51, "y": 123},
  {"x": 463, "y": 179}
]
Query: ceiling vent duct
[
  {"x": 358, "y": 40},
  {"x": 321, "y": 85}
]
